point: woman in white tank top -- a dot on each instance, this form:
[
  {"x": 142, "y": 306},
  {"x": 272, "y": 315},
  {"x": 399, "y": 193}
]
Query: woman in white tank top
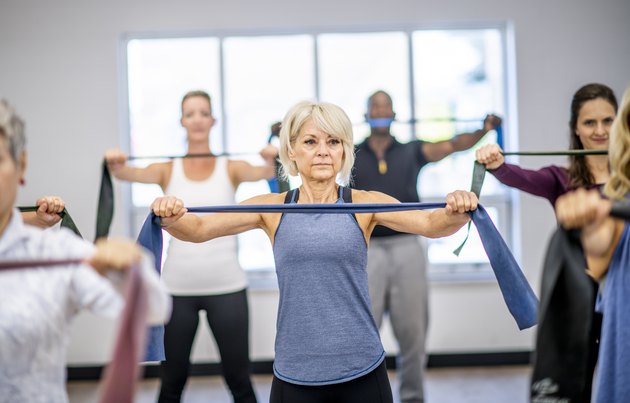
[{"x": 203, "y": 276}]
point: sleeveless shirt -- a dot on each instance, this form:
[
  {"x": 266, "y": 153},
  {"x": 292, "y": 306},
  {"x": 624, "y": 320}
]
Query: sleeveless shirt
[
  {"x": 211, "y": 267},
  {"x": 325, "y": 330}
]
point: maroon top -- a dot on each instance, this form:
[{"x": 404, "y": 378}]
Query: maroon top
[{"x": 549, "y": 182}]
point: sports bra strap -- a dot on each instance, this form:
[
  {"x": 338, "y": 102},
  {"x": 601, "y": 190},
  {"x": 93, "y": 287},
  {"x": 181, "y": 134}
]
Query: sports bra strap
[
  {"x": 294, "y": 194},
  {"x": 291, "y": 196},
  {"x": 346, "y": 194}
]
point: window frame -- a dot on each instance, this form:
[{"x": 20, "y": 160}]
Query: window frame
[{"x": 506, "y": 203}]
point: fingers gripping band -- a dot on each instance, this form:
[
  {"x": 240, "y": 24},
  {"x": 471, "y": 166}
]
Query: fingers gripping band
[
  {"x": 66, "y": 219},
  {"x": 517, "y": 293}
]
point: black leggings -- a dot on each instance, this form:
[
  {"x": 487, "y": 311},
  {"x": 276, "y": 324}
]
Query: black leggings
[
  {"x": 228, "y": 316},
  {"x": 371, "y": 388}
]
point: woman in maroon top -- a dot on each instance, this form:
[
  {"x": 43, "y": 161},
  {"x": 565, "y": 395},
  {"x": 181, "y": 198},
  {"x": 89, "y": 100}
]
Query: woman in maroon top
[{"x": 593, "y": 110}]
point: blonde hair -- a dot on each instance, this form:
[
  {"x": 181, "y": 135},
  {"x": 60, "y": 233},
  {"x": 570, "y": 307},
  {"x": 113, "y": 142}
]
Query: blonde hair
[
  {"x": 328, "y": 118},
  {"x": 619, "y": 152},
  {"x": 12, "y": 130}
]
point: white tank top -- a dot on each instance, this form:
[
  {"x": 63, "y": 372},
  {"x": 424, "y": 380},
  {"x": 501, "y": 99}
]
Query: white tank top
[{"x": 211, "y": 267}]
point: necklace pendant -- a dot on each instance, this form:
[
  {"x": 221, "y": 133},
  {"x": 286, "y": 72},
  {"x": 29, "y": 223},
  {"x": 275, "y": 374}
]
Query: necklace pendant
[{"x": 382, "y": 167}]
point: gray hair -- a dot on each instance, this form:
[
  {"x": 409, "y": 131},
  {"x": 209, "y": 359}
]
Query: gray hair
[
  {"x": 12, "y": 130},
  {"x": 327, "y": 117}
]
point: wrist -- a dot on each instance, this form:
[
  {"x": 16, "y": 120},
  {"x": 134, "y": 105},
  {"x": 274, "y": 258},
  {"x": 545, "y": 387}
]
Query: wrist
[
  {"x": 42, "y": 223},
  {"x": 165, "y": 226}
]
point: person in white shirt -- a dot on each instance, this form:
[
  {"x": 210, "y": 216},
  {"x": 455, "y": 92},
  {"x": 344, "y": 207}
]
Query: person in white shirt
[
  {"x": 202, "y": 277},
  {"x": 38, "y": 304}
]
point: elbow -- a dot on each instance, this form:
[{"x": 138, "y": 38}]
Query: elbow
[
  {"x": 440, "y": 233},
  {"x": 435, "y": 235},
  {"x": 443, "y": 234},
  {"x": 194, "y": 238},
  {"x": 200, "y": 236},
  {"x": 450, "y": 230},
  {"x": 199, "y": 239}
]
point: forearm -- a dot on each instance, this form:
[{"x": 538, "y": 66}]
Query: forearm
[
  {"x": 256, "y": 173},
  {"x": 267, "y": 171},
  {"x": 540, "y": 183},
  {"x": 194, "y": 228},
  {"x": 31, "y": 218},
  {"x": 436, "y": 151},
  {"x": 189, "y": 229},
  {"x": 597, "y": 240},
  {"x": 599, "y": 247},
  {"x": 464, "y": 141},
  {"x": 442, "y": 224},
  {"x": 133, "y": 174},
  {"x": 435, "y": 224}
]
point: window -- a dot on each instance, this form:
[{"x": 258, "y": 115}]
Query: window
[
  {"x": 443, "y": 82},
  {"x": 159, "y": 73},
  {"x": 458, "y": 79},
  {"x": 264, "y": 77},
  {"x": 353, "y": 66}
]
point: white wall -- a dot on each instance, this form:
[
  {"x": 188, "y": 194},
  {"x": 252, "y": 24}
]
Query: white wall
[{"x": 59, "y": 67}]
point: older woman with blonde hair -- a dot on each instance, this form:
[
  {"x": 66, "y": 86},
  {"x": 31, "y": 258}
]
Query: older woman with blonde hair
[
  {"x": 327, "y": 344},
  {"x": 606, "y": 243}
]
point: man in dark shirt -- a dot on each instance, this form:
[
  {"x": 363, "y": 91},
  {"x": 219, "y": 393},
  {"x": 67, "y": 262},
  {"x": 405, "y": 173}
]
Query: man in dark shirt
[{"x": 397, "y": 262}]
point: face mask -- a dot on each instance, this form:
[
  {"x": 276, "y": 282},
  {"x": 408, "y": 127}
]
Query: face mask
[{"x": 381, "y": 122}]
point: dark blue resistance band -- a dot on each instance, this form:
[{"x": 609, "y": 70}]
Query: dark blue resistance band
[{"x": 517, "y": 293}]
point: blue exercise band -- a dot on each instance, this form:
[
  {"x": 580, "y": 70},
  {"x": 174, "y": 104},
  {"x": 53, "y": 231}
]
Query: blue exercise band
[{"x": 517, "y": 293}]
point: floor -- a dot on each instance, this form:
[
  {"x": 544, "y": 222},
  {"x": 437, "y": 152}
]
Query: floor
[{"x": 443, "y": 385}]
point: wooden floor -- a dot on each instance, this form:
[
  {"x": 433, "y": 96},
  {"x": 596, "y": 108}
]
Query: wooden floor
[{"x": 443, "y": 385}]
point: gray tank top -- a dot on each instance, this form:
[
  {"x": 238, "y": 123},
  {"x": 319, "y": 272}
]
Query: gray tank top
[{"x": 325, "y": 331}]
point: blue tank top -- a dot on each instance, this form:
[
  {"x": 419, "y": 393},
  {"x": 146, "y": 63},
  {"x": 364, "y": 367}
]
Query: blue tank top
[
  {"x": 325, "y": 331},
  {"x": 613, "y": 371}
]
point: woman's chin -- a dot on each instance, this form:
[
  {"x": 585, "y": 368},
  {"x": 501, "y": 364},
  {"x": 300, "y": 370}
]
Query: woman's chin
[{"x": 323, "y": 176}]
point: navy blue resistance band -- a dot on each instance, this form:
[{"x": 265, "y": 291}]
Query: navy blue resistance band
[{"x": 517, "y": 293}]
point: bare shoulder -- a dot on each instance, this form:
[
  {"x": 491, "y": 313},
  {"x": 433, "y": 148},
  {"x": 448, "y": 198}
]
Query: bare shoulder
[
  {"x": 268, "y": 198},
  {"x": 237, "y": 164},
  {"x": 162, "y": 166},
  {"x": 371, "y": 196}
]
